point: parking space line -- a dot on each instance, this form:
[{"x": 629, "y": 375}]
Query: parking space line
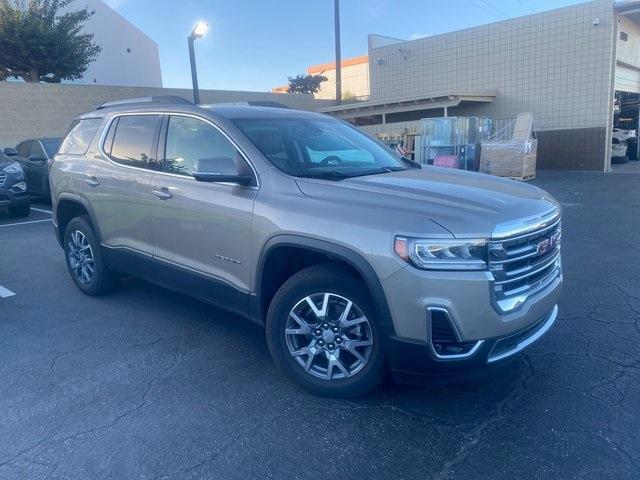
[
  {"x": 4, "y": 292},
  {"x": 41, "y": 210},
  {"x": 24, "y": 223}
]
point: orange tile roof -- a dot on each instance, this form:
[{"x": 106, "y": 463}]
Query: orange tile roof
[{"x": 347, "y": 62}]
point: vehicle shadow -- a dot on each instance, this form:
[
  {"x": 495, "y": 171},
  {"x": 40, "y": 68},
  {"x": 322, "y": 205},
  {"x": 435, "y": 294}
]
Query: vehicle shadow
[{"x": 451, "y": 404}]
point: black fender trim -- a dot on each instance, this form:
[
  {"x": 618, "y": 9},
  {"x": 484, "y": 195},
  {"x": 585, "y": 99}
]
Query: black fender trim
[
  {"x": 350, "y": 257},
  {"x": 73, "y": 197}
]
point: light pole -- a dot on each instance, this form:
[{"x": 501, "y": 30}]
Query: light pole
[
  {"x": 198, "y": 31},
  {"x": 336, "y": 24}
]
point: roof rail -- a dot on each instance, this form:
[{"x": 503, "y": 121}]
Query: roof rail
[
  {"x": 252, "y": 103},
  {"x": 162, "y": 99}
]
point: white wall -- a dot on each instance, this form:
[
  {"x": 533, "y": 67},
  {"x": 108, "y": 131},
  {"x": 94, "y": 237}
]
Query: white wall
[
  {"x": 628, "y": 52},
  {"x": 355, "y": 81},
  {"x": 139, "y": 67}
]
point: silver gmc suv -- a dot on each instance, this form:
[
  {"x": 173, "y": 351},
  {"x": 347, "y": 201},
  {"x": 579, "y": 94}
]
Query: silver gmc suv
[{"x": 356, "y": 260}]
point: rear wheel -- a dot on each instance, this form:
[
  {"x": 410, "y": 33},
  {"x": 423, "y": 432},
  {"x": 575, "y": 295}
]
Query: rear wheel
[
  {"x": 21, "y": 211},
  {"x": 323, "y": 332},
  {"x": 84, "y": 260}
]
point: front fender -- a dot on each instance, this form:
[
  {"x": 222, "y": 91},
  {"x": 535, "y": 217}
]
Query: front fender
[{"x": 350, "y": 257}]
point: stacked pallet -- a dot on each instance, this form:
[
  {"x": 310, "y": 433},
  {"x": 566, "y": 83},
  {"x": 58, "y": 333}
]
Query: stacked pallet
[{"x": 514, "y": 157}]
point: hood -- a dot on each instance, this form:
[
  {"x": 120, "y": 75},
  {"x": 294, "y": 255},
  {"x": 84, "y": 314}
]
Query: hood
[
  {"x": 5, "y": 162},
  {"x": 468, "y": 204}
]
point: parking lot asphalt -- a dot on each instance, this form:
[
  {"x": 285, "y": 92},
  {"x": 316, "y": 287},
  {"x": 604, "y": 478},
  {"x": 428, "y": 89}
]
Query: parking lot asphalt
[{"x": 145, "y": 383}]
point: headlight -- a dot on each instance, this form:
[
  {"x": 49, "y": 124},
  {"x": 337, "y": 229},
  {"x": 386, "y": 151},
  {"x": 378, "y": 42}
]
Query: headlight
[
  {"x": 13, "y": 168},
  {"x": 435, "y": 254}
]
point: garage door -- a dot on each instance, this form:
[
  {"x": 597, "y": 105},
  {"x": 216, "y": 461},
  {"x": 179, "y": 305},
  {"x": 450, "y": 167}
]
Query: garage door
[{"x": 627, "y": 79}]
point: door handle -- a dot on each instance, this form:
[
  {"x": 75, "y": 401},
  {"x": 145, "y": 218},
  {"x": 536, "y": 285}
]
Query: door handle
[
  {"x": 93, "y": 182},
  {"x": 162, "y": 193}
]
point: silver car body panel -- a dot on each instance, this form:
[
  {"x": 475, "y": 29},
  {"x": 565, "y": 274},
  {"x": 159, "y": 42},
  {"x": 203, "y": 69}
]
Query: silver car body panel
[{"x": 221, "y": 230}]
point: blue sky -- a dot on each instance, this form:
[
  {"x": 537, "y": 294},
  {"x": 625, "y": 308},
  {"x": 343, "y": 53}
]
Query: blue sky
[{"x": 256, "y": 44}]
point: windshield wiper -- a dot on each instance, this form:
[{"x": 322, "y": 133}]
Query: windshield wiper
[
  {"x": 328, "y": 175},
  {"x": 411, "y": 163},
  {"x": 376, "y": 171}
]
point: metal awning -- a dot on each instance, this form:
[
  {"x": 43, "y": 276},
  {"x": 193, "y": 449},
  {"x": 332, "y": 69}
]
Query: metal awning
[
  {"x": 630, "y": 9},
  {"x": 409, "y": 104}
]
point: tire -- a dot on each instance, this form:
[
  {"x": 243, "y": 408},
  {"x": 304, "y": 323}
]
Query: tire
[
  {"x": 326, "y": 336},
  {"x": 21, "y": 211},
  {"x": 82, "y": 249},
  {"x": 619, "y": 160}
]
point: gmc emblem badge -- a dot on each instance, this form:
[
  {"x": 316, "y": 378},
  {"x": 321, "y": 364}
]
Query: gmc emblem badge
[{"x": 548, "y": 244}]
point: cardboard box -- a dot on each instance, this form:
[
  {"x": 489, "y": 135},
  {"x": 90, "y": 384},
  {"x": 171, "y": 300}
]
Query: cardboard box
[
  {"x": 513, "y": 158},
  {"x": 509, "y": 159}
]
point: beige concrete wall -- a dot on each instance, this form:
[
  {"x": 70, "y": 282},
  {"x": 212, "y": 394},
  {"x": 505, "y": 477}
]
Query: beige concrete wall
[
  {"x": 628, "y": 52},
  {"x": 39, "y": 110},
  {"x": 555, "y": 64},
  {"x": 355, "y": 81}
]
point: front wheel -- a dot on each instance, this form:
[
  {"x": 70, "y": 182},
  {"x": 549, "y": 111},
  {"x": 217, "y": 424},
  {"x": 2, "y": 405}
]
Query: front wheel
[
  {"x": 323, "y": 332},
  {"x": 84, "y": 260}
]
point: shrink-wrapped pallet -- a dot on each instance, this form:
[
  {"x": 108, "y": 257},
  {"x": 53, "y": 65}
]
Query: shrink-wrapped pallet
[{"x": 515, "y": 157}]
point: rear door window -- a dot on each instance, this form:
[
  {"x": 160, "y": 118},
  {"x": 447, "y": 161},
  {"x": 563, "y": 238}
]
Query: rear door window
[
  {"x": 134, "y": 140},
  {"x": 24, "y": 149},
  {"x": 80, "y": 136},
  {"x": 36, "y": 149}
]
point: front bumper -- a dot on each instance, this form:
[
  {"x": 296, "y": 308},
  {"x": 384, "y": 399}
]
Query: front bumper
[
  {"x": 467, "y": 301},
  {"x": 466, "y": 297},
  {"x": 415, "y": 362},
  {"x": 10, "y": 199}
]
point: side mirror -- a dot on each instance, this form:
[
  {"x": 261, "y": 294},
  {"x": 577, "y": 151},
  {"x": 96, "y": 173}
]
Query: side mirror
[
  {"x": 219, "y": 170},
  {"x": 37, "y": 158},
  {"x": 10, "y": 152}
]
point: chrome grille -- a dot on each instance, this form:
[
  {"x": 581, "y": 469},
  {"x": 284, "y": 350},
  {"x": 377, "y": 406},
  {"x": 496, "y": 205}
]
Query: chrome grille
[
  {"x": 523, "y": 265},
  {"x": 3, "y": 177}
]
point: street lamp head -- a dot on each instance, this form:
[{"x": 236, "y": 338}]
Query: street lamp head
[{"x": 199, "y": 29}]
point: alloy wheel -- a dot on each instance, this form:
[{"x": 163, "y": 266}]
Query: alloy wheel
[
  {"x": 329, "y": 336},
  {"x": 81, "y": 257}
]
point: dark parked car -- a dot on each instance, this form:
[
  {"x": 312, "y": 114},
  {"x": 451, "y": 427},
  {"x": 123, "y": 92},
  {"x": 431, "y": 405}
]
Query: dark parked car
[
  {"x": 13, "y": 188},
  {"x": 35, "y": 156}
]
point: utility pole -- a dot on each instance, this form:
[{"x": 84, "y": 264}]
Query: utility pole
[{"x": 336, "y": 17}]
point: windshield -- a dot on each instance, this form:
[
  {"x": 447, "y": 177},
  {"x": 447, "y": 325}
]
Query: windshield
[
  {"x": 51, "y": 146},
  {"x": 325, "y": 148}
]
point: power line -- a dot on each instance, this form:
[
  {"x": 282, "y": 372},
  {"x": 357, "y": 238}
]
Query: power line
[
  {"x": 485, "y": 9},
  {"x": 494, "y": 8},
  {"x": 527, "y": 5}
]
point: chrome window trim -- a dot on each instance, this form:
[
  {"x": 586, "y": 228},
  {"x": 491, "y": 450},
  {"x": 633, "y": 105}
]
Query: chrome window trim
[
  {"x": 106, "y": 128},
  {"x": 44, "y": 150},
  {"x": 460, "y": 356}
]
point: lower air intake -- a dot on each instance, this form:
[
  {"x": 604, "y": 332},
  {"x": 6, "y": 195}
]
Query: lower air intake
[{"x": 445, "y": 340}]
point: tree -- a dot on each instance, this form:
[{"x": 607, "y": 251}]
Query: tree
[
  {"x": 305, "y": 83},
  {"x": 348, "y": 95},
  {"x": 41, "y": 43}
]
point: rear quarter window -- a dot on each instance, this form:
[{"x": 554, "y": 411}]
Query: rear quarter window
[{"x": 80, "y": 135}]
